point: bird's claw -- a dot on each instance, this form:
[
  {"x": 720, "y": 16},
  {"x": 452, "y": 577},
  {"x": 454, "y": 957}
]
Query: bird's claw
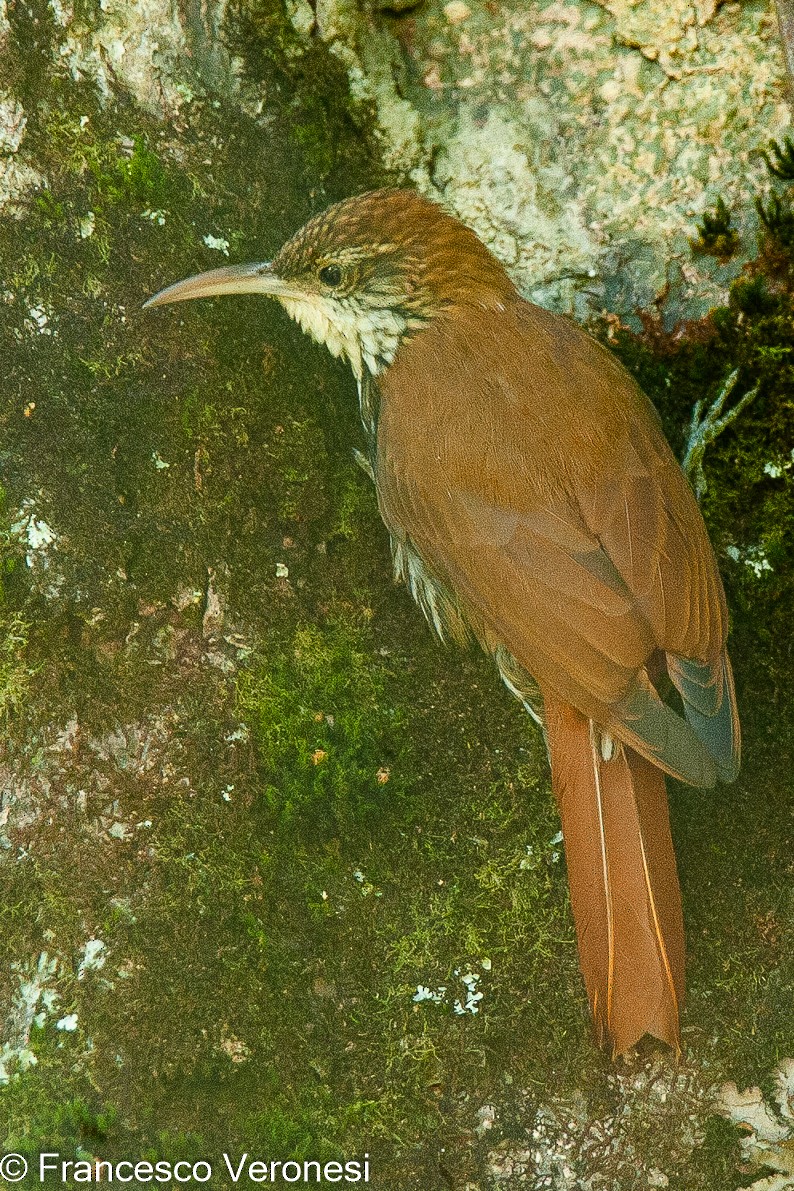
[{"x": 704, "y": 428}]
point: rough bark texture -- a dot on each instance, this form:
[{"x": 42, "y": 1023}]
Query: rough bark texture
[{"x": 582, "y": 140}]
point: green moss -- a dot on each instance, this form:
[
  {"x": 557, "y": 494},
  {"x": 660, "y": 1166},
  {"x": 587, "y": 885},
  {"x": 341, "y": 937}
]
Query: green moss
[
  {"x": 15, "y": 674},
  {"x": 325, "y": 726},
  {"x": 28, "y": 60},
  {"x": 16, "y": 670},
  {"x": 282, "y": 822}
]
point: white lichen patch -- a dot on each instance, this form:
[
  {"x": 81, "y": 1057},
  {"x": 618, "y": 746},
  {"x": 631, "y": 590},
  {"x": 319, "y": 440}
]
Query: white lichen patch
[
  {"x": 486, "y": 1119},
  {"x": 424, "y": 993},
  {"x": 31, "y": 1003},
  {"x": 92, "y": 959},
  {"x": 217, "y": 243},
  {"x": 87, "y": 225},
  {"x": 302, "y": 16},
  {"x": 39, "y": 537},
  {"x": 752, "y": 557},
  {"x": 470, "y": 1003},
  {"x": 768, "y": 1141},
  {"x": 38, "y": 320},
  {"x": 777, "y": 469},
  {"x": 469, "y": 998},
  {"x": 13, "y": 122},
  {"x": 513, "y": 198}
]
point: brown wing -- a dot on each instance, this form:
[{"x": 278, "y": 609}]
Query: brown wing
[{"x": 539, "y": 486}]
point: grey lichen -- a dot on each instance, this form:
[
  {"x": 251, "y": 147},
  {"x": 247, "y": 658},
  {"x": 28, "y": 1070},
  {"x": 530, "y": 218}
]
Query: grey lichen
[
  {"x": 583, "y": 141},
  {"x": 767, "y": 1126},
  {"x": 152, "y": 48},
  {"x": 17, "y": 178}
]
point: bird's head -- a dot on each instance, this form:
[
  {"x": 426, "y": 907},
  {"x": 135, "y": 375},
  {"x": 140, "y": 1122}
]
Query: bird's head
[{"x": 366, "y": 274}]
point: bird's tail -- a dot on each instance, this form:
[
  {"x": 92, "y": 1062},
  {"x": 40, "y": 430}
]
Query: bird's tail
[{"x": 623, "y": 880}]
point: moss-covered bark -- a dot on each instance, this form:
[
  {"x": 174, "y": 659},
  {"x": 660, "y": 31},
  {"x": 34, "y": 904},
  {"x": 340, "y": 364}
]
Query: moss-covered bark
[{"x": 250, "y": 806}]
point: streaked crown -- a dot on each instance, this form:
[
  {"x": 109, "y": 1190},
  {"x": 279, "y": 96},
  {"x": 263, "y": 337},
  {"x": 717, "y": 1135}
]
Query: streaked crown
[
  {"x": 365, "y": 274},
  {"x": 375, "y": 268}
]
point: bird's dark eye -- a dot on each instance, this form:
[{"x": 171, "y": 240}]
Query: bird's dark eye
[{"x": 330, "y": 275}]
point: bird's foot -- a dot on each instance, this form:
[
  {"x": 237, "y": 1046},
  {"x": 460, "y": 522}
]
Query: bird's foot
[{"x": 704, "y": 428}]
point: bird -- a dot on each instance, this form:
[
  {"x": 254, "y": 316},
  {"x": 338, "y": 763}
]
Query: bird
[{"x": 535, "y": 506}]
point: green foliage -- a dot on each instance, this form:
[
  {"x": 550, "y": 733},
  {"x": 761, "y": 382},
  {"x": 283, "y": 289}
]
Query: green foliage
[
  {"x": 777, "y": 216},
  {"x": 780, "y": 159},
  {"x": 716, "y": 236},
  {"x": 38, "y": 1113},
  {"x": 143, "y": 178},
  {"x": 178, "y": 1146},
  {"x": 750, "y": 297},
  {"x": 776, "y": 213}
]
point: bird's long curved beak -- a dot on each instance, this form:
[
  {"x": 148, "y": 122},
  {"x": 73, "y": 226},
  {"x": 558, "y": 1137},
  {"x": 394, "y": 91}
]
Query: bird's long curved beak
[{"x": 232, "y": 279}]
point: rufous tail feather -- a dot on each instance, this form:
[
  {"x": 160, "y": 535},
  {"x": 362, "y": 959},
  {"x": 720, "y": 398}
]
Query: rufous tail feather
[{"x": 623, "y": 881}]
